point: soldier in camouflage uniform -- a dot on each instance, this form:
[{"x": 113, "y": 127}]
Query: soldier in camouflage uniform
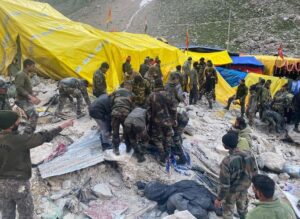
[
  {"x": 4, "y": 103},
  {"x": 141, "y": 90},
  {"x": 136, "y": 131},
  {"x": 15, "y": 162},
  {"x": 186, "y": 73},
  {"x": 194, "y": 84},
  {"x": 282, "y": 101},
  {"x": 236, "y": 171},
  {"x": 122, "y": 104},
  {"x": 162, "y": 114},
  {"x": 99, "y": 81},
  {"x": 150, "y": 76},
  {"x": 70, "y": 88},
  {"x": 201, "y": 78},
  {"x": 144, "y": 67},
  {"x": 129, "y": 76},
  {"x": 264, "y": 98},
  {"x": 179, "y": 74},
  {"x": 210, "y": 83},
  {"x": 241, "y": 94},
  {"x": 126, "y": 67},
  {"x": 211, "y": 80},
  {"x": 252, "y": 106},
  {"x": 275, "y": 120},
  {"x": 174, "y": 89},
  {"x": 25, "y": 98}
]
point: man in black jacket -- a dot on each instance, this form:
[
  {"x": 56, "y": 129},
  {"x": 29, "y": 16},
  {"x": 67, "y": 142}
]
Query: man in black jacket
[{"x": 100, "y": 110}]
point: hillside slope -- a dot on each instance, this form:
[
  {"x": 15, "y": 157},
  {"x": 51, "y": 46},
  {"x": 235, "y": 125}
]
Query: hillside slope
[{"x": 257, "y": 26}]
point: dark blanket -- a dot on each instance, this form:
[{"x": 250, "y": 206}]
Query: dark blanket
[{"x": 183, "y": 195}]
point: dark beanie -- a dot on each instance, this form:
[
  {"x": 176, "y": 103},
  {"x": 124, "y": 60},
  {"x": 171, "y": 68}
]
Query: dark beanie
[
  {"x": 230, "y": 139},
  {"x": 7, "y": 119}
]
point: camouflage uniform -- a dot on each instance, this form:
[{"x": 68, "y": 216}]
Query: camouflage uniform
[
  {"x": 264, "y": 100},
  {"x": 122, "y": 104},
  {"x": 136, "y": 131},
  {"x": 236, "y": 171},
  {"x": 211, "y": 81},
  {"x": 150, "y": 76},
  {"x": 143, "y": 69},
  {"x": 4, "y": 103},
  {"x": 162, "y": 113},
  {"x": 180, "y": 76},
  {"x": 70, "y": 88},
  {"x": 126, "y": 67},
  {"x": 177, "y": 148},
  {"x": 241, "y": 94},
  {"x": 24, "y": 89},
  {"x": 15, "y": 171},
  {"x": 99, "y": 83},
  {"x": 141, "y": 91},
  {"x": 186, "y": 73},
  {"x": 174, "y": 92},
  {"x": 252, "y": 107},
  {"x": 282, "y": 103},
  {"x": 193, "y": 86},
  {"x": 274, "y": 119},
  {"x": 201, "y": 79}
]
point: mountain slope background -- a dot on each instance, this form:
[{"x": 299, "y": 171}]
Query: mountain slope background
[{"x": 257, "y": 26}]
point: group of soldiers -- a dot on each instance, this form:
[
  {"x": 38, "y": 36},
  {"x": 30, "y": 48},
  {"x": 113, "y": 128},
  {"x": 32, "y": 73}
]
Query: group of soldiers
[
  {"x": 277, "y": 111},
  {"x": 200, "y": 78},
  {"x": 144, "y": 107}
]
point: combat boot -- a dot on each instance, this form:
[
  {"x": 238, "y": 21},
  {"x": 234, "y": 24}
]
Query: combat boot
[
  {"x": 140, "y": 158},
  {"x": 116, "y": 151}
]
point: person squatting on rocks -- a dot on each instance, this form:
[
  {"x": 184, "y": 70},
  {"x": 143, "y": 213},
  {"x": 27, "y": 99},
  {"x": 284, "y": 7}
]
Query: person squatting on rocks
[
  {"x": 70, "y": 88},
  {"x": 15, "y": 163},
  {"x": 25, "y": 98},
  {"x": 100, "y": 110},
  {"x": 99, "y": 80},
  {"x": 136, "y": 132},
  {"x": 122, "y": 104},
  {"x": 236, "y": 171},
  {"x": 241, "y": 94},
  {"x": 275, "y": 120},
  {"x": 268, "y": 205}
]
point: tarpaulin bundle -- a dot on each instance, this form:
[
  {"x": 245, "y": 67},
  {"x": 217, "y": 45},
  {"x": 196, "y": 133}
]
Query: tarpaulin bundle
[{"x": 232, "y": 77}]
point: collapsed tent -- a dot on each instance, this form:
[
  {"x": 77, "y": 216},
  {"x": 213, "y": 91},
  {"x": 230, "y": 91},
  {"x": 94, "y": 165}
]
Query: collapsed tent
[{"x": 63, "y": 48}]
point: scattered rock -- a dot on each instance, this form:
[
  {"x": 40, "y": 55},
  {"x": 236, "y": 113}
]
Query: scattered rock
[
  {"x": 272, "y": 161},
  {"x": 50, "y": 210},
  {"x": 69, "y": 216},
  {"x": 60, "y": 194},
  {"x": 284, "y": 176},
  {"x": 180, "y": 215},
  {"x": 115, "y": 183},
  {"x": 102, "y": 190},
  {"x": 67, "y": 184}
]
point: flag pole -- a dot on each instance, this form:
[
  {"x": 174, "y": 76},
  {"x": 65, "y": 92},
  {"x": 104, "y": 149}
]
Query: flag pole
[{"x": 228, "y": 33}]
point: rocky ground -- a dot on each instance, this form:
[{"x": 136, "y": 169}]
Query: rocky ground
[
  {"x": 115, "y": 181},
  {"x": 257, "y": 26}
]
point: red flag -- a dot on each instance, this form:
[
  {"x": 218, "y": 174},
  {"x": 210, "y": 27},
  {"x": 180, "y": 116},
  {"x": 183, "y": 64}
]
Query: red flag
[
  {"x": 109, "y": 17},
  {"x": 280, "y": 51},
  {"x": 187, "y": 40},
  {"x": 146, "y": 25}
]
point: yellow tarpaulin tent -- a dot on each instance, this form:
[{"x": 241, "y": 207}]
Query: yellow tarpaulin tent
[{"x": 270, "y": 61}]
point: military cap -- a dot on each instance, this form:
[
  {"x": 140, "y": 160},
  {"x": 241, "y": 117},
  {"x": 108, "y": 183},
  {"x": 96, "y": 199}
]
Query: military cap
[{"x": 8, "y": 118}]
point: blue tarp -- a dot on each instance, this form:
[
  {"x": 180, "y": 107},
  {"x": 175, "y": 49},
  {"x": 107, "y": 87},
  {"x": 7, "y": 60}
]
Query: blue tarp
[
  {"x": 246, "y": 60},
  {"x": 231, "y": 76}
]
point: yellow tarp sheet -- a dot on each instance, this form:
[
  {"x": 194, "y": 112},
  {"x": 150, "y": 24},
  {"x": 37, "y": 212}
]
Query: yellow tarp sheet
[
  {"x": 270, "y": 61},
  {"x": 218, "y": 58},
  {"x": 63, "y": 48}
]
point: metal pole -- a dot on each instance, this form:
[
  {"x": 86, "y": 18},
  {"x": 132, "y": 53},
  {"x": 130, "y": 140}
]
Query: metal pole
[{"x": 228, "y": 34}]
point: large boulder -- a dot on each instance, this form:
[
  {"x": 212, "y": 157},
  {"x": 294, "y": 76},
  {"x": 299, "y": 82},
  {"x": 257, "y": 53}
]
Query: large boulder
[{"x": 272, "y": 161}]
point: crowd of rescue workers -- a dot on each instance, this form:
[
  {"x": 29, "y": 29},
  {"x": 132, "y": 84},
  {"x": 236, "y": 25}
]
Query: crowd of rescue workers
[{"x": 148, "y": 112}]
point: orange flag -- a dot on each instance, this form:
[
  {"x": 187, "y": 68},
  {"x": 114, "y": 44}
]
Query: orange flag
[
  {"x": 280, "y": 51},
  {"x": 109, "y": 17},
  {"x": 187, "y": 40}
]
